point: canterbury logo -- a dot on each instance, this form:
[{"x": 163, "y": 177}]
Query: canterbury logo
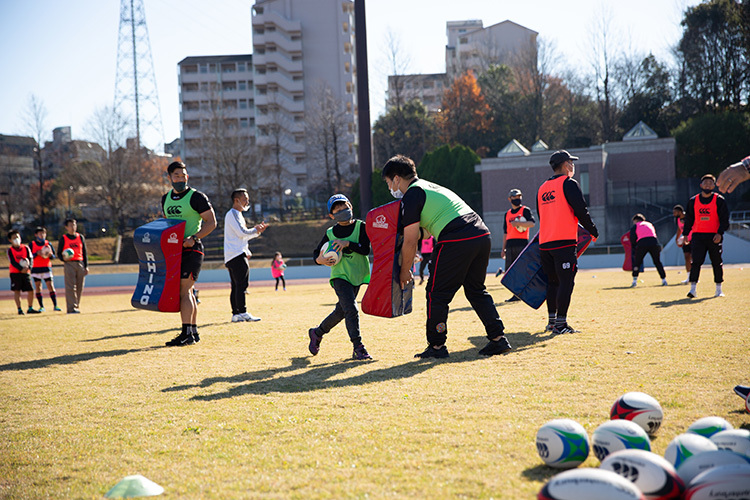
[
  {"x": 548, "y": 196},
  {"x": 704, "y": 211},
  {"x": 174, "y": 210}
]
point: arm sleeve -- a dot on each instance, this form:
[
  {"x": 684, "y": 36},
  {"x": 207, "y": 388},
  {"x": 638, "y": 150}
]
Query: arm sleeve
[
  {"x": 199, "y": 202},
  {"x": 528, "y": 214},
  {"x": 411, "y": 206},
  {"x": 505, "y": 224},
  {"x": 577, "y": 202},
  {"x": 161, "y": 207},
  {"x": 316, "y": 252},
  {"x": 633, "y": 236},
  {"x": 236, "y": 226},
  {"x": 689, "y": 217},
  {"x": 84, "y": 251},
  {"x": 13, "y": 261},
  {"x": 723, "y": 212},
  {"x": 60, "y": 245}
]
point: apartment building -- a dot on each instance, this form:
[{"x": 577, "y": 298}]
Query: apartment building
[
  {"x": 304, "y": 57},
  {"x": 215, "y": 91}
]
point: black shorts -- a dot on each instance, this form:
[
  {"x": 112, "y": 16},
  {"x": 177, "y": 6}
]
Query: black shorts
[
  {"x": 192, "y": 260},
  {"x": 20, "y": 282}
]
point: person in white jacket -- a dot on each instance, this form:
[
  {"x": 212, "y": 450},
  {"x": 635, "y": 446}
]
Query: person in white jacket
[{"x": 236, "y": 253}]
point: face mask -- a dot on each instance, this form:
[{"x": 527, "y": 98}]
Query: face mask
[
  {"x": 179, "y": 186},
  {"x": 397, "y": 193},
  {"x": 16, "y": 241},
  {"x": 516, "y": 202},
  {"x": 707, "y": 191},
  {"x": 343, "y": 216},
  {"x": 246, "y": 208}
]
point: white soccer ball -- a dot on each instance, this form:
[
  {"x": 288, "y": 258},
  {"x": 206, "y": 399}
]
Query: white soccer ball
[
  {"x": 329, "y": 252},
  {"x": 640, "y": 408},
  {"x": 616, "y": 435},
  {"x": 562, "y": 443},
  {"x": 685, "y": 446}
]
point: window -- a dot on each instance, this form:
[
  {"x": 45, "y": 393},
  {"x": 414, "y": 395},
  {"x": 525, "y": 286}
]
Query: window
[
  {"x": 228, "y": 86},
  {"x": 244, "y": 122},
  {"x": 203, "y": 68},
  {"x": 190, "y": 69},
  {"x": 241, "y": 66},
  {"x": 228, "y": 68},
  {"x": 212, "y": 68},
  {"x": 242, "y": 85},
  {"x": 243, "y": 103},
  {"x": 190, "y": 87}
]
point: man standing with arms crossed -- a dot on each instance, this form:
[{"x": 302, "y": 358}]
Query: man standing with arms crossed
[
  {"x": 236, "y": 253},
  {"x": 561, "y": 205},
  {"x": 707, "y": 217},
  {"x": 184, "y": 203}
]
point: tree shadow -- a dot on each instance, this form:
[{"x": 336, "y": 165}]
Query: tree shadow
[
  {"x": 70, "y": 359},
  {"x": 140, "y": 334},
  {"x": 319, "y": 377},
  {"x": 679, "y": 302}
]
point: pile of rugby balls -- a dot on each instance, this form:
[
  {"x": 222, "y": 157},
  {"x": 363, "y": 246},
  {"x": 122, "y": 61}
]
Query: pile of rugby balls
[{"x": 710, "y": 461}]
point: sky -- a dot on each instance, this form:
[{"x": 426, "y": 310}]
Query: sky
[{"x": 64, "y": 53}]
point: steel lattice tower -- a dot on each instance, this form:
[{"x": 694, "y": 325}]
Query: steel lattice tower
[{"x": 136, "y": 96}]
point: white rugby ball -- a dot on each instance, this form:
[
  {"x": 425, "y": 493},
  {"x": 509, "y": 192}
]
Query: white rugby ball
[
  {"x": 562, "y": 443},
  {"x": 616, "y": 435},
  {"x": 45, "y": 252},
  {"x": 707, "y": 460},
  {"x": 685, "y": 446},
  {"x": 653, "y": 475},
  {"x": 726, "y": 481},
  {"x": 736, "y": 440},
  {"x": 708, "y": 426},
  {"x": 521, "y": 229},
  {"x": 589, "y": 484},
  {"x": 329, "y": 252},
  {"x": 24, "y": 263},
  {"x": 640, "y": 408}
]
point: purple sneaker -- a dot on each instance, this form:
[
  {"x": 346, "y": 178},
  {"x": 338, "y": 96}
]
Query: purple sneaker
[
  {"x": 315, "y": 339},
  {"x": 360, "y": 353}
]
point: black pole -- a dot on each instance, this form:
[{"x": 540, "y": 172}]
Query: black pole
[
  {"x": 38, "y": 159},
  {"x": 363, "y": 113}
]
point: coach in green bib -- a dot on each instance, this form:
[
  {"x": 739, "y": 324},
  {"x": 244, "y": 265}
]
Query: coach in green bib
[
  {"x": 460, "y": 256},
  {"x": 185, "y": 203}
]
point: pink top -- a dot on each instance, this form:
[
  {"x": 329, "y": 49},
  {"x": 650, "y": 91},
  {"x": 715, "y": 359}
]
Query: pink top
[
  {"x": 277, "y": 268},
  {"x": 428, "y": 244},
  {"x": 644, "y": 230}
]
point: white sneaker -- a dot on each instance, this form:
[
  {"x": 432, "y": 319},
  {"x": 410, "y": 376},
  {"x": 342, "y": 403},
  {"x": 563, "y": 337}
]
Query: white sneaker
[
  {"x": 237, "y": 318},
  {"x": 248, "y": 317},
  {"x": 664, "y": 282},
  {"x": 685, "y": 281},
  {"x": 633, "y": 284}
]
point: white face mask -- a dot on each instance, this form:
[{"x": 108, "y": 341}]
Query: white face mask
[
  {"x": 16, "y": 241},
  {"x": 397, "y": 193},
  {"x": 246, "y": 208}
]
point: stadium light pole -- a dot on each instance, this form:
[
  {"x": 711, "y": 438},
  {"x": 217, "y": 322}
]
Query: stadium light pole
[{"x": 363, "y": 110}]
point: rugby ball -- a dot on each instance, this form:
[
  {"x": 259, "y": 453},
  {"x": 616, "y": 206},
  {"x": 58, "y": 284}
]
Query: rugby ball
[
  {"x": 708, "y": 460},
  {"x": 736, "y": 440},
  {"x": 708, "y": 426},
  {"x": 329, "y": 252},
  {"x": 726, "y": 481},
  {"x": 521, "y": 229},
  {"x": 23, "y": 263},
  {"x": 45, "y": 252},
  {"x": 562, "y": 443},
  {"x": 654, "y": 476},
  {"x": 67, "y": 254},
  {"x": 685, "y": 446},
  {"x": 639, "y": 408},
  {"x": 589, "y": 484},
  {"x": 617, "y": 435},
  {"x": 680, "y": 240}
]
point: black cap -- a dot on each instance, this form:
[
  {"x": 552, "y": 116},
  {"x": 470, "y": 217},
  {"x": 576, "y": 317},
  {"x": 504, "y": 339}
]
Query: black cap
[{"x": 560, "y": 156}]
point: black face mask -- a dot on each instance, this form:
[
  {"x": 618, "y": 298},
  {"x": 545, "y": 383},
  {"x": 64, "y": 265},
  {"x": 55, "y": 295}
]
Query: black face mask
[
  {"x": 707, "y": 191},
  {"x": 516, "y": 202}
]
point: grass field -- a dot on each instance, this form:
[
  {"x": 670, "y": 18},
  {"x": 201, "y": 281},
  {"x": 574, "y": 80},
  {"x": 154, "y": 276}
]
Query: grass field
[{"x": 247, "y": 413}]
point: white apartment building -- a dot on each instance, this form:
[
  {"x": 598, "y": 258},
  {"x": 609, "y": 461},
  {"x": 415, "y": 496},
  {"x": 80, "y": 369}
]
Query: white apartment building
[
  {"x": 213, "y": 87},
  {"x": 470, "y": 46},
  {"x": 302, "y": 49}
]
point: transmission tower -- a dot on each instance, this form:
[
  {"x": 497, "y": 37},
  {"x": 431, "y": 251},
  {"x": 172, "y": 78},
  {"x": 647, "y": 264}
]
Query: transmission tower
[{"x": 136, "y": 96}]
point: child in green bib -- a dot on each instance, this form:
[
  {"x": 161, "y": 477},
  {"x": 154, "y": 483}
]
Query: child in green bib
[{"x": 347, "y": 275}]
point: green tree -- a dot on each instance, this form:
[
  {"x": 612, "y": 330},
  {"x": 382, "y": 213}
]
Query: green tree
[
  {"x": 453, "y": 167},
  {"x": 708, "y": 143},
  {"x": 380, "y": 193},
  {"x": 649, "y": 95},
  {"x": 406, "y": 130}
]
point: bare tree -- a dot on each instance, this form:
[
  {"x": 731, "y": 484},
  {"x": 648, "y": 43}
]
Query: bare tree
[
  {"x": 35, "y": 118},
  {"x": 398, "y": 62},
  {"x": 603, "y": 39},
  {"x": 14, "y": 186}
]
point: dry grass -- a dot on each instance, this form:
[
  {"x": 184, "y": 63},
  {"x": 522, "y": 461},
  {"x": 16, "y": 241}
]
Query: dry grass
[{"x": 247, "y": 413}]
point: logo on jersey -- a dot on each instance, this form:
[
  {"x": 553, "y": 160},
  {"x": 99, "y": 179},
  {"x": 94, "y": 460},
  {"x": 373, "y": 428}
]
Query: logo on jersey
[
  {"x": 174, "y": 210},
  {"x": 146, "y": 238},
  {"x": 380, "y": 222},
  {"x": 704, "y": 211},
  {"x": 549, "y": 196},
  {"x": 172, "y": 238}
]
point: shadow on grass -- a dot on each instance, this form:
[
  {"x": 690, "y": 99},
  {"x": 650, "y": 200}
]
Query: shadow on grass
[
  {"x": 540, "y": 473},
  {"x": 140, "y": 334},
  {"x": 520, "y": 341},
  {"x": 679, "y": 302},
  {"x": 317, "y": 378},
  {"x": 70, "y": 359}
]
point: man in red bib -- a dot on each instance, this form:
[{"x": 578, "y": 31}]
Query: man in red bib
[
  {"x": 76, "y": 266},
  {"x": 518, "y": 221},
  {"x": 707, "y": 217},
  {"x": 561, "y": 206}
]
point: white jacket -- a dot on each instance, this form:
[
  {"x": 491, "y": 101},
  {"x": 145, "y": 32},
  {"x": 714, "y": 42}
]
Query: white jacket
[{"x": 236, "y": 235}]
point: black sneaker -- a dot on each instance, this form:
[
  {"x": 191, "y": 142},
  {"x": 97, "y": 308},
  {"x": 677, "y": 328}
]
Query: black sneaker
[
  {"x": 742, "y": 391},
  {"x": 499, "y": 272},
  {"x": 499, "y": 346},
  {"x": 690, "y": 295},
  {"x": 181, "y": 339},
  {"x": 431, "y": 352},
  {"x": 513, "y": 299},
  {"x": 564, "y": 329},
  {"x": 315, "y": 339},
  {"x": 20, "y": 311},
  {"x": 31, "y": 310},
  {"x": 549, "y": 328},
  {"x": 360, "y": 353},
  {"x": 196, "y": 337}
]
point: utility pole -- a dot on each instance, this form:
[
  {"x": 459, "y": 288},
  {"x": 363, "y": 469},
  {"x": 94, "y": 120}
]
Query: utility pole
[{"x": 363, "y": 113}]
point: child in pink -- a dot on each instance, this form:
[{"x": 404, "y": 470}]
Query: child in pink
[{"x": 277, "y": 270}]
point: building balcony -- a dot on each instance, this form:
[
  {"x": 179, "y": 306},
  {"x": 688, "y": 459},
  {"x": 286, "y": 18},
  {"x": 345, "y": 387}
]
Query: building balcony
[
  {"x": 272, "y": 18},
  {"x": 280, "y": 40}
]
